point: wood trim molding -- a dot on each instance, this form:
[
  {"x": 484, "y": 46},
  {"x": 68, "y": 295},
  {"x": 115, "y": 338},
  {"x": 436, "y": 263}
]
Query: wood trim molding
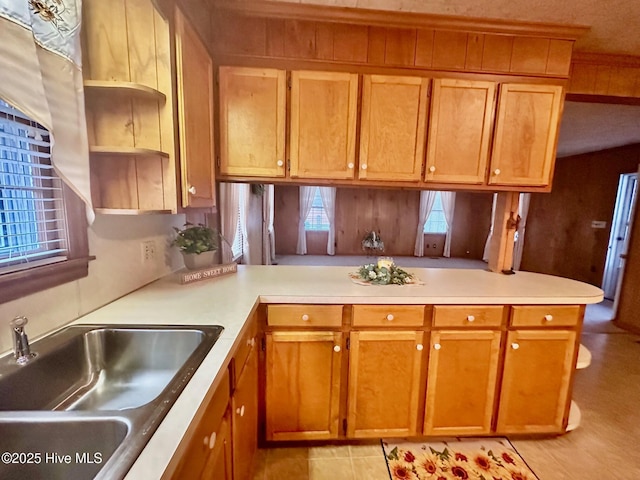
[{"x": 395, "y": 19}]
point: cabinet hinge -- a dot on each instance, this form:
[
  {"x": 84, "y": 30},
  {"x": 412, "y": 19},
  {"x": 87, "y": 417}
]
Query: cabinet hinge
[
  {"x": 288, "y": 165},
  {"x": 344, "y": 426},
  {"x": 263, "y": 344},
  {"x": 218, "y": 161},
  {"x": 348, "y": 343},
  {"x": 289, "y": 83}
]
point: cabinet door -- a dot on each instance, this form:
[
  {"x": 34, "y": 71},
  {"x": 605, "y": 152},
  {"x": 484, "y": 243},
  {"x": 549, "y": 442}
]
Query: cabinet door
[
  {"x": 323, "y": 124},
  {"x": 195, "y": 116},
  {"x": 526, "y": 133},
  {"x": 393, "y": 127},
  {"x": 219, "y": 464},
  {"x": 252, "y": 121},
  {"x": 303, "y": 385},
  {"x": 461, "y": 384},
  {"x": 244, "y": 405},
  {"x": 211, "y": 433},
  {"x": 538, "y": 368},
  {"x": 460, "y": 127},
  {"x": 384, "y": 383}
]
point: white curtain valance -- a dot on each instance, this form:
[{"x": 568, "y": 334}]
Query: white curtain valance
[{"x": 40, "y": 61}]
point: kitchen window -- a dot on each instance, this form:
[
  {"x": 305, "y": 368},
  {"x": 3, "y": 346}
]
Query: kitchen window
[
  {"x": 43, "y": 239},
  {"x": 436, "y": 222},
  {"x": 317, "y": 219}
]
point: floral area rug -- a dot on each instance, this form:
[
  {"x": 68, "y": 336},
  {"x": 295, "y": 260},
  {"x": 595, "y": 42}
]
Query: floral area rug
[{"x": 465, "y": 459}]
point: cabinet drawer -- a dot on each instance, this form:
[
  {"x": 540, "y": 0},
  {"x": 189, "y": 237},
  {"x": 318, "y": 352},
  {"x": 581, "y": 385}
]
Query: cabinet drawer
[
  {"x": 545, "y": 316},
  {"x": 467, "y": 315},
  {"x": 388, "y": 315},
  {"x": 247, "y": 342},
  {"x": 304, "y": 315}
]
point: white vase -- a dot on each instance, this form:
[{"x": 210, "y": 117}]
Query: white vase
[{"x": 196, "y": 261}]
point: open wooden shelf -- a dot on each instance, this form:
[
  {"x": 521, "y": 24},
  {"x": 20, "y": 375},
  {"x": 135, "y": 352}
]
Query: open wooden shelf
[
  {"x": 126, "y": 88},
  {"x": 130, "y": 211},
  {"x": 131, "y": 151}
]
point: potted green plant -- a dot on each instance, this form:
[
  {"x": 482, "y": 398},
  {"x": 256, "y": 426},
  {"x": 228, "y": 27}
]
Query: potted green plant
[{"x": 198, "y": 244}]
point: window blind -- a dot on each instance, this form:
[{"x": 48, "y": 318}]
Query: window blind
[{"x": 32, "y": 212}]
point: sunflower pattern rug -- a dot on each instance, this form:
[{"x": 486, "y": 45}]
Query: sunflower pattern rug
[{"x": 464, "y": 459}]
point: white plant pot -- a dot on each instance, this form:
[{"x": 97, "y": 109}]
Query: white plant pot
[{"x": 195, "y": 261}]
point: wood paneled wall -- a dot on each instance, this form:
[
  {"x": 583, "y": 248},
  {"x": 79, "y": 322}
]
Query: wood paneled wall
[
  {"x": 391, "y": 212},
  {"x": 559, "y": 239}
]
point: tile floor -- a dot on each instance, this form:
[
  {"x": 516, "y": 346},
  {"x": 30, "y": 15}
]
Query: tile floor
[{"x": 604, "y": 447}]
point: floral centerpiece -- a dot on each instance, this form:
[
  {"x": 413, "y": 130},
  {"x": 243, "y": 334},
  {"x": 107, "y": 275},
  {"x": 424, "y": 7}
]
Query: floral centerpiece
[{"x": 385, "y": 272}]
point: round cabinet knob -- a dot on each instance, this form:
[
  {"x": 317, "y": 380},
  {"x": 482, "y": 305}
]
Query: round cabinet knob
[
  {"x": 470, "y": 318},
  {"x": 432, "y": 168},
  {"x": 363, "y": 166},
  {"x": 192, "y": 190},
  {"x": 496, "y": 171},
  {"x": 210, "y": 441},
  {"x": 336, "y": 348},
  {"x": 350, "y": 165},
  {"x": 305, "y": 317},
  {"x": 280, "y": 163},
  {"x": 437, "y": 346},
  {"x": 419, "y": 347},
  {"x": 548, "y": 317},
  {"x": 251, "y": 342},
  {"x": 390, "y": 317},
  {"x": 240, "y": 411},
  {"x": 515, "y": 346}
]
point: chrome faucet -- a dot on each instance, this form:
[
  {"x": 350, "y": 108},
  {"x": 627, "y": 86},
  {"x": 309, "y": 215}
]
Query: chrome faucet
[{"x": 21, "y": 349}]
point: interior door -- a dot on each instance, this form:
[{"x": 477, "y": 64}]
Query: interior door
[{"x": 618, "y": 238}]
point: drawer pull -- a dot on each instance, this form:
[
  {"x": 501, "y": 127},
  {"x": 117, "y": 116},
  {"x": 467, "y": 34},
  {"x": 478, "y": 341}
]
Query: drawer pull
[
  {"x": 240, "y": 411},
  {"x": 548, "y": 317},
  {"x": 470, "y": 318},
  {"x": 305, "y": 317},
  {"x": 210, "y": 440},
  {"x": 419, "y": 347},
  {"x": 515, "y": 346},
  {"x": 437, "y": 346},
  {"x": 336, "y": 348},
  {"x": 192, "y": 190},
  {"x": 390, "y": 317}
]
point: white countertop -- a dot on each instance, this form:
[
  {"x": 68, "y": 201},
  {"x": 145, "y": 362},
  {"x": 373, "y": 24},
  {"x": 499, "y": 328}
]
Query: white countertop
[{"x": 230, "y": 299}]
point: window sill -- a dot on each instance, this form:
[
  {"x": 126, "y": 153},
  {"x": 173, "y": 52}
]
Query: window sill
[{"x": 18, "y": 284}]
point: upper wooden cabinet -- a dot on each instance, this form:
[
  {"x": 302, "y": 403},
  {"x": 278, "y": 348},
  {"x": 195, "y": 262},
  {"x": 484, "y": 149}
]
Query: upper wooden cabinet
[
  {"x": 195, "y": 116},
  {"x": 323, "y": 124},
  {"x": 460, "y": 126},
  {"x": 252, "y": 121},
  {"x": 526, "y": 132},
  {"x": 393, "y": 127}
]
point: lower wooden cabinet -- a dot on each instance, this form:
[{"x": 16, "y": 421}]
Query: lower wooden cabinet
[
  {"x": 208, "y": 452},
  {"x": 218, "y": 465},
  {"x": 303, "y": 385},
  {"x": 461, "y": 383},
  {"x": 244, "y": 407},
  {"x": 384, "y": 383},
  {"x": 537, "y": 375}
]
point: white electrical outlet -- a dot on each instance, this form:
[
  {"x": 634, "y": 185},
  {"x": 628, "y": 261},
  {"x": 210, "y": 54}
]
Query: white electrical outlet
[{"x": 148, "y": 251}]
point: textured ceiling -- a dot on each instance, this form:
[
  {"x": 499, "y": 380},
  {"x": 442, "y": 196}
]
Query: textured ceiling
[{"x": 614, "y": 28}]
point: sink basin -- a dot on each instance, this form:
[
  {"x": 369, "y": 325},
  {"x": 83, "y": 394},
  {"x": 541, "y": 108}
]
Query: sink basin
[
  {"x": 58, "y": 449},
  {"x": 99, "y": 369},
  {"x": 104, "y": 388}
]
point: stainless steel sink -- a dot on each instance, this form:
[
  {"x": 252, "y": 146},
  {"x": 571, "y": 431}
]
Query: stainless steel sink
[{"x": 103, "y": 387}]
